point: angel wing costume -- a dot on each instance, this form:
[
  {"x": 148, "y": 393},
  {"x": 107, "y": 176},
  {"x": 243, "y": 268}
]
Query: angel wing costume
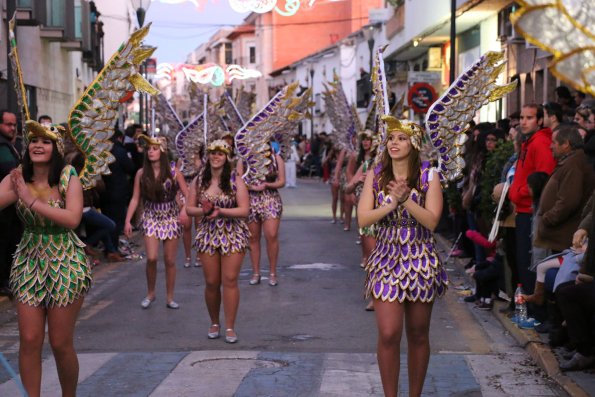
[
  {"x": 570, "y": 37},
  {"x": 50, "y": 266},
  {"x": 273, "y": 123},
  {"x": 404, "y": 265}
]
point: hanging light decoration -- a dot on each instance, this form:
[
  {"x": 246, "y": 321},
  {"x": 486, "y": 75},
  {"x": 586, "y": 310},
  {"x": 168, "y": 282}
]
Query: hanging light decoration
[
  {"x": 210, "y": 73},
  {"x": 264, "y": 6}
]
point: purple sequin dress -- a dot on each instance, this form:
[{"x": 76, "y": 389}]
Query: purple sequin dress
[
  {"x": 160, "y": 219},
  {"x": 266, "y": 204},
  {"x": 404, "y": 265},
  {"x": 223, "y": 235}
]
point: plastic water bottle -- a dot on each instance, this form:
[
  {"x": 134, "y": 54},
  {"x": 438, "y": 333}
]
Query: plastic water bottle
[{"x": 520, "y": 306}]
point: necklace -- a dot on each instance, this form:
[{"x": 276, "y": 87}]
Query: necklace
[{"x": 40, "y": 191}]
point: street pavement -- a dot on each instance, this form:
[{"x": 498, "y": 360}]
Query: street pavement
[{"x": 309, "y": 336}]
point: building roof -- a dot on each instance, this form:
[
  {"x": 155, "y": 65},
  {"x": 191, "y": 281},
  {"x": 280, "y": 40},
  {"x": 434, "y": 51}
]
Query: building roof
[{"x": 240, "y": 30}]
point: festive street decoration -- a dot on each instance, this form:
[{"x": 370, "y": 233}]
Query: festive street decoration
[
  {"x": 290, "y": 7},
  {"x": 209, "y": 73}
]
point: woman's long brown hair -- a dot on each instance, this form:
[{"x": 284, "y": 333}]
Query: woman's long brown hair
[
  {"x": 57, "y": 163},
  {"x": 151, "y": 187},
  {"x": 413, "y": 169},
  {"x": 204, "y": 180}
]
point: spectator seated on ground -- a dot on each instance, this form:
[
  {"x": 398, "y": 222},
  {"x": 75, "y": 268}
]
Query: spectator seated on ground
[
  {"x": 576, "y": 300},
  {"x": 97, "y": 226},
  {"x": 487, "y": 274}
]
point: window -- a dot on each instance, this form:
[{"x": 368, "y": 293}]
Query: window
[
  {"x": 228, "y": 54},
  {"x": 78, "y": 21},
  {"x": 24, "y": 3},
  {"x": 55, "y": 16},
  {"x": 252, "y": 54}
]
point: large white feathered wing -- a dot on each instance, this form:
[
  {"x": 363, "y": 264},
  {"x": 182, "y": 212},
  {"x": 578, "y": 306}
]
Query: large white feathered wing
[{"x": 448, "y": 118}]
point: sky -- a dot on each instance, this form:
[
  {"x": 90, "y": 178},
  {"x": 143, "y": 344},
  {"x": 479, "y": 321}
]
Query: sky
[{"x": 178, "y": 29}]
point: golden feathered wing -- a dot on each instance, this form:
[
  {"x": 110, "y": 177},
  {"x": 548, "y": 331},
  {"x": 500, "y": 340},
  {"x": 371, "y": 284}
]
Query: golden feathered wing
[
  {"x": 565, "y": 28},
  {"x": 448, "y": 118},
  {"x": 92, "y": 118},
  {"x": 15, "y": 65},
  {"x": 277, "y": 118}
]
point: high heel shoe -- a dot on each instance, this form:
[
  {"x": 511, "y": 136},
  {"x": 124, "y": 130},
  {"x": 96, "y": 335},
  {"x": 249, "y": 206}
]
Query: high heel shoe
[
  {"x": 214, "y": 334},
  {"x": 230, "y": 338},
  {"x": 273, "y": 280},
  {"x": 255, "y": 279}
]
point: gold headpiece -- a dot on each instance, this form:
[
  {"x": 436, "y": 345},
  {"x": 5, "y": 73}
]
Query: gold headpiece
[
  {"x": 160, "y": 141},
  {"x": 219, "y": 145},
  {"x": 55, "y": 132},
  {"x": 413, "y": 130}
]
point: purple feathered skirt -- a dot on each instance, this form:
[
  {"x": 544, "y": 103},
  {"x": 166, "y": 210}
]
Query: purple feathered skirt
[
  {"x": 265, "y": 205},
  {"x": 404, "y": 266},
  {"x": 224, "y": 235},
  {"x": 161, "y": 220}
]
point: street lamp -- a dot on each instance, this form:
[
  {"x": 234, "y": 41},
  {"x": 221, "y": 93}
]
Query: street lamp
[
  {"x": 141, "y": 7},
  {"x": 312, "y": 100},
  {"x": 369, "y": 36}
]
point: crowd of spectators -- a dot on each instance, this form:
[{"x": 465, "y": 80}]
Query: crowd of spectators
[{"x": 545, "y": 155}]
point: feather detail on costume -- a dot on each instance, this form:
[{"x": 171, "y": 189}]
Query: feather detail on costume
[
  {"x": 92, "y": 118},
  {"x": 171, "y": 124},
  {"x": 344, "y": 119},
  {"x": 244, "y": 101},
  {"x": 272, "y": 122},
  {"x": 19, "y": 83},
  {"x": 232, "y": 117},
  {"x": 448, "y": 118},
  {"x": 197, "y": 97},
  {"x": 567, "y": 30},
  {"x": 188, "y": 143},
  {"x": 379, "y": 89}
]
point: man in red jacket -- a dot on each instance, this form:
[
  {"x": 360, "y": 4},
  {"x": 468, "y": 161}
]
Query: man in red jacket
[{"x": 535, "y": 156}]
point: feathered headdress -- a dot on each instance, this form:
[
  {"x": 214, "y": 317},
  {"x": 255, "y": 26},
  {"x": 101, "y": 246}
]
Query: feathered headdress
[
  {"x": 161, "y": 141},
  {"x": 219, "y": 145},
  {"x": 55, "y": 132}
]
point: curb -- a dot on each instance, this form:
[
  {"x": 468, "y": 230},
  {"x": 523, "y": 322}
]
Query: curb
[{"x": 540, "y": 352}]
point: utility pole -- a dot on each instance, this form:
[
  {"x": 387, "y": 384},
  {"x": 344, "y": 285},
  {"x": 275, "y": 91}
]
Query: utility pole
[{"x": 453, "y": 40}]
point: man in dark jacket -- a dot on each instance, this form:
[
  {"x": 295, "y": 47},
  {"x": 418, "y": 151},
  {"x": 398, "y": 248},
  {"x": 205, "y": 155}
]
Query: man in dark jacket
[
  {"x": 10, "y": 226},
  {"x": 535, "y": 156},
  {"x": 566, "y": 192},
  {"x": 114, "y": 200}
]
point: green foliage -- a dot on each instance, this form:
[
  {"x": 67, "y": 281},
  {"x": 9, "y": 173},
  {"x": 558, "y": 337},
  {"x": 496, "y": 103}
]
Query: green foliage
[
  {"x": 453, "y": 198},
  {"x": 491, "y": 175}
]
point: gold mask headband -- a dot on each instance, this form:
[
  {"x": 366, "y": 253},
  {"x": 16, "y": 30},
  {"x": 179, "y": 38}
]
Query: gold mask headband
[
  {"x": 219, "y": 145},
  {"x": 413, "y": 130},
  {"x": 55, "y": 132},
  {"x": 160, "y": 141}
]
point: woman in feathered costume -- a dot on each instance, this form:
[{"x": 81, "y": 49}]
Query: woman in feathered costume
[
  {"x": 220, "y": 197},
  {"x": 51, "y": 274},
  {"x": 402, "y": 198},
  {"x": 158, "y": 183}
]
